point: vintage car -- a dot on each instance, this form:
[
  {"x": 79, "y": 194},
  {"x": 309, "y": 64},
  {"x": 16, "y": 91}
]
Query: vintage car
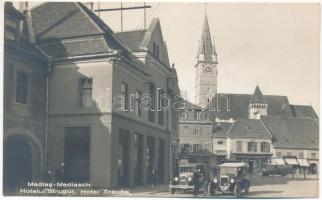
[
  {"x": 184, "y": 180},
  {"x": 231, "y": 179}
]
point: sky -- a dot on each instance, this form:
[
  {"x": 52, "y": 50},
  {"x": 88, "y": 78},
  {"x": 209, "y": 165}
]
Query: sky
[{"x": 275, "y": 46}]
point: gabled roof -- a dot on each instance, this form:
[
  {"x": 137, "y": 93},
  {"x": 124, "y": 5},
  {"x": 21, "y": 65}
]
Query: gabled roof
[
  {"x": 249, "y": 128},
  {"x": 257, "y": 97},
  {"x": 64, "y": 29},
  {"x": 132, "y": 39},
  {"x": 293, "y": 132},
  {"x": 141, "y": 40},
  {"x": 235, "y": 106},
  {"x": 303, "y": 111},
  {"x": 54, "y": 20}
]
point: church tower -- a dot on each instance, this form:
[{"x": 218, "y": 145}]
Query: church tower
[
  {"x": 206, "y": 68},
  {"x": 257, "y": 105}
]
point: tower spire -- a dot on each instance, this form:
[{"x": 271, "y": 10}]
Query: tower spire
[{"x": 206, "y": 48}]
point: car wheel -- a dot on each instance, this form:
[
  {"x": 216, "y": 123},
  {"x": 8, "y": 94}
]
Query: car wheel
[
  {"x": 237, "y": 191},
  {"x": 247, "y": 190},
  {"x": 172, "y": 190}
]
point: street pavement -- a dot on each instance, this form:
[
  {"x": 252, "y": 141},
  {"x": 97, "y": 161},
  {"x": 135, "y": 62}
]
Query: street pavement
[{"x": 262, "y": 187}]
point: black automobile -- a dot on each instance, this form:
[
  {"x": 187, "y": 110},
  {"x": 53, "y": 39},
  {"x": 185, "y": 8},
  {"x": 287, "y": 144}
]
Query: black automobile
[
  {"x": 231, "y": 179},
  {"x": 184, "y": 182}
]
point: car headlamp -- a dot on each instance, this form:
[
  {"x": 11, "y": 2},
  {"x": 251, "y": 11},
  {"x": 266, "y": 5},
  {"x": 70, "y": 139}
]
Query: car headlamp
[
  {"x": 215, "y": 180},
  {"x": 176, "y": 178},
  {"x": 232, "y": 180},
  {"x": 189, "y": 179}
]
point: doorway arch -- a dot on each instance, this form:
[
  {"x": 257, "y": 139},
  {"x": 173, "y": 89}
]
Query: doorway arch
[{"x": 22, "y": 161}]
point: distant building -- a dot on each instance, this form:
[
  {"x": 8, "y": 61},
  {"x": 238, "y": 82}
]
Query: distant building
[
  {"x": 195, "y": 135},
  {"x": 253, "y": 128},
  {"x": 291, "y": 130},
  {"x": 247, "y": 140}
]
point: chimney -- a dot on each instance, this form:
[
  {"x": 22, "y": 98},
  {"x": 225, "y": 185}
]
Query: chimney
[
  {"x": 90, "y": 5},
  {"x": 23, "y": 6}
]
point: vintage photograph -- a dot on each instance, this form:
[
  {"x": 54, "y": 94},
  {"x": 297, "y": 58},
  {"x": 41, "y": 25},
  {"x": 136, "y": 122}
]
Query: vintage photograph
[{"x": 161, "y": 99}]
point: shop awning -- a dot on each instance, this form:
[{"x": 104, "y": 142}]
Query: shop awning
[
  {"x": 303, "y": 162},
  {"x": 291, "y": 161},
  {"x": 277, "y": 161}
]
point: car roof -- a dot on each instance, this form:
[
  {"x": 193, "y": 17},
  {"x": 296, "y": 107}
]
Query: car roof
[
  {"x": 234, "y": 164},
  {"x": 190, "y": 164}
]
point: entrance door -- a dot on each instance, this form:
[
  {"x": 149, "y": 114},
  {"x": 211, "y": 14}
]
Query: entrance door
[
  {"x": 251, "y": 166},
  {"x": 150, "y": 160},
  {"x": 138, "y": 158},
  {"x": 123, "y": 160},
  {"x": 17, "y": 163},
  {"x": 161, "y": 161},
  {"x": 77, "y": 154}
]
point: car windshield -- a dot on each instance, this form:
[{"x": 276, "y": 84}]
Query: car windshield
[
  {"x": 186, "y": 169},
  {"x": 228, "y": 170}
]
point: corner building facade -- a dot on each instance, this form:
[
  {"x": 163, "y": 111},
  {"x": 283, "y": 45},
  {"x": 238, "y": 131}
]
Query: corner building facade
[{"x": 98, "y": 126}]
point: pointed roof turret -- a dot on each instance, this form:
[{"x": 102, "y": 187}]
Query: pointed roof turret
[
  {"x": 205, "y": 47},
  {"x": 258, "y": 97}
]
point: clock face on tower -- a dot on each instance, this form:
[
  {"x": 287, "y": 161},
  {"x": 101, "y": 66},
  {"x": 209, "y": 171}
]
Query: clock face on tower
[{"x": 207, "y": 69}]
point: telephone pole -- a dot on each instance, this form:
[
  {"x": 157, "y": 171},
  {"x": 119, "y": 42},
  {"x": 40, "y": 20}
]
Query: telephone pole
[{"x": 121, "y": 9}]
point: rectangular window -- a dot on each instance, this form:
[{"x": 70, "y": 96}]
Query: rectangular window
[
  {"x": 138, "y": 95},
  {"x": 197, "y": 115},
  {"x": 220, "y": 142},
  {"x": 278, "y": 154},
  {"x": 313, "y": 155},
  {"x": 86, "y": 92},
  {"x": 252, "y": 147},
  {"x": 22, "y": 87},
  {"x": 196, "y": 148},
  {"x": 11, "y": 28},
  {"x": 197, "y": 130},
  {"x": 125, "y": 93},
  {"x": 184, "y": 115},
  {"x": 265, "y": 147},
  {"x": 151, "y": 114},
  {"x": 288, "y": 153},
  {"x": 239, "y": 146},
  {"x": 185, "y": 148}
]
